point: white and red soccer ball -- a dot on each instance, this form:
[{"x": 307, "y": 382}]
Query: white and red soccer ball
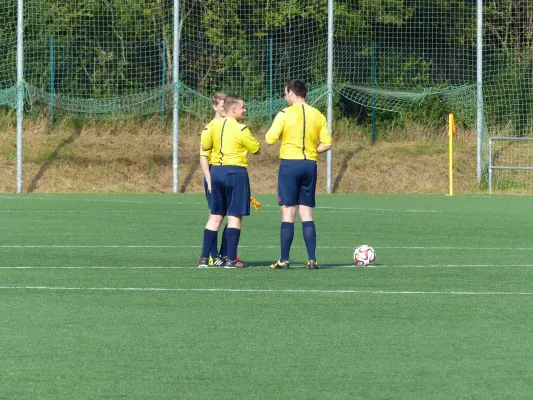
[{"x": 364, "y": 255}]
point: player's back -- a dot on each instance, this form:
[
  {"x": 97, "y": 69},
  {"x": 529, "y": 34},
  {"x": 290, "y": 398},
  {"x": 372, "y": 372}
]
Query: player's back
[
  {"x": 303, "y": 127},
  {"x": 230, "y": 142}
]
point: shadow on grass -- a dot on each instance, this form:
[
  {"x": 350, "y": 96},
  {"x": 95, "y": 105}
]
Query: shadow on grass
[
  {"x": 296, "y": 266},
  {"x": 187, "y": 181},
  {"x": 53, "y": 156},
  {"x": 344, "y": 166}
]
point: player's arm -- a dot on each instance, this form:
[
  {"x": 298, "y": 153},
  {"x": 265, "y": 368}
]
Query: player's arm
[
  {"x": 250, "y": 143},
  {"x": 324, "y": 137},
  {"x": 276, "y": 129},
  {"x": 205, "y": 152},
  {"x": 204, "y": 165},
  {"x": 207, "y": 139}
]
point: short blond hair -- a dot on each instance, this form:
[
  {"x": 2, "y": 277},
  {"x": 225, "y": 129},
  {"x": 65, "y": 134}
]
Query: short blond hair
[
  {"x": 230, "y": 101},
  {"x": 219, "y": 96}
]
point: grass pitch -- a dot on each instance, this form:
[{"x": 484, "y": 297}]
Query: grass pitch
[{"x": 100, "y": 299}]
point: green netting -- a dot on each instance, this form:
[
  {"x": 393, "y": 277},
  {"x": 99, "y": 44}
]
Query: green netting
[
  {"x": 94, "y": 57},
  {"x": 115, "y": 57},
  {"x": 8, "y": 45}
]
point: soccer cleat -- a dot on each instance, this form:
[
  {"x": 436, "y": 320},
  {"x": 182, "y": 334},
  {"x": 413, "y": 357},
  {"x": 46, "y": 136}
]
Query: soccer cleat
[
  {"x": 312, "y": 264},
  {"x": 280, "y": 265},
  {"x": 235, "y": 264},
  {"x": 210, "y": 261},
  {"x": 219, "y": 261},
  {"x": 203, "y": 262}
]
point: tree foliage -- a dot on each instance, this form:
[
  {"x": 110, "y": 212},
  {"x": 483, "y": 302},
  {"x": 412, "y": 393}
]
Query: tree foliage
[{"x": 107, "y": 48}]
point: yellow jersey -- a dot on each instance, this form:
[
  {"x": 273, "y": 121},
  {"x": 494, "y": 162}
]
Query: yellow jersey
[
  {"x": 301, "y": 128},
  {"x": 229, "y": 142},
  {"x": 207, "y": 153}
]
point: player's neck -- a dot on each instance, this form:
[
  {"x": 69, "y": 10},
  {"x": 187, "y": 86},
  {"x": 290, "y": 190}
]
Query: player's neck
[{"x": 298, "y": 100}]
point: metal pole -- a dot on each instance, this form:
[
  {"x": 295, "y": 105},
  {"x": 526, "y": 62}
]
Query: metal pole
[
  {"x": 52, "y": 78},
  {"x": 330, "y": 89},
  {"x": 271, "y": 43},
  {"x": 480, "y": 123},
  {"x": 373, "y": 73},
  {"x": 175, "y": 81},
  {"x": 163, "y": 78},
  {"x": 490, "y": 166},
  {"x": 20, "y": 89}
]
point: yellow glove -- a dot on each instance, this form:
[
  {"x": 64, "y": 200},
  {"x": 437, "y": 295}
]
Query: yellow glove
[{"x": 254, "y": 203}]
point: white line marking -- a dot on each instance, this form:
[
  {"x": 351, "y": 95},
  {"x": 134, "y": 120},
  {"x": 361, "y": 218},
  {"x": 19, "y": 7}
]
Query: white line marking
[
  {"x": 100, "y": 211},
  {"x": 323, "y": 209},
  {"x": 227, "y": 290},
  {"x": 359, "y": 209},
  {"x": 22, "y": 198},
  {"x": 68, "y": 246},
  {"x": 382, "y": 266}
]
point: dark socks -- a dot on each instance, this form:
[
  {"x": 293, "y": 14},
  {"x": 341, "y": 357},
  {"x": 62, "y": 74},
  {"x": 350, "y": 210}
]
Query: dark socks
[
  {"x": 224, "y": 242},
  {"x": 214, "y": 250},
  {"x": 286, "y": 235},
  {"x": 309, "y": 232},
  {"x": 233, "y": 235},
  {"x": 210, "y": 238}
]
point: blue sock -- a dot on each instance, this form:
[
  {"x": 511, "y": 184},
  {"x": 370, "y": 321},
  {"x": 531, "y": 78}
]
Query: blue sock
[
  {"x": 286, "y": 234},
  {"x": 309, "y": 232},
  {"x": 214, "y": 249},
  {"x": 224, "y": 244},
  {"x": 210, "y": 237},
  {"x": 233, "y": 235}
]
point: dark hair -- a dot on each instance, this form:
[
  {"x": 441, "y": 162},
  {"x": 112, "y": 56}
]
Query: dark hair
[
  {"x": 217, "y": 97},
  {"x": 298, "y": 87},
  {"x": 230, "y": 101}
]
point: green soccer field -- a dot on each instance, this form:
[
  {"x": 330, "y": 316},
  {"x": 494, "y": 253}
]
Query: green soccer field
[{"x": 100, "y": 299}]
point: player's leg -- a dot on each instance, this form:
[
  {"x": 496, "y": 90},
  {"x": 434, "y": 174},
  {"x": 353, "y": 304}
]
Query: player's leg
[
  {"x": 213, "y": 253},
  {"x": 233, "y": 237},
  {"x": 223, "y": 244},
  {"x": 306, "y": 202},
  {"x": 218, "y": 208},
  {"x": 238, "y": 198},
  {"x": 210, "y": 237},
  {"x": 288, "y": 186},
  {"x": 286, "y": 231}
]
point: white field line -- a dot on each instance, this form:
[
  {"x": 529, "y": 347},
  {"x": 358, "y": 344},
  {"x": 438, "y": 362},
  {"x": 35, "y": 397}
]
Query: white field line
[
  {"x": 9, "y": 197},
  {"x": 330, "y": 209},
  {"x": 119, "y": 246},
  {"x": 275, "y": 291},
  {"x": 348, "y": 210},
  {"x": 359, "y": 209},
  {"x": 381, "y": 266},
  {"x": 62, "y": 198},
  {"x": 203, "y": 211}
]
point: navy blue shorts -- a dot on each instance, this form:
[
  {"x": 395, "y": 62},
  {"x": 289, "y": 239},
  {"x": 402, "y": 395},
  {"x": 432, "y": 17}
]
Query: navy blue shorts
[
  {"x": 297, "y": 182},
  {"x": 230, "y": 191},
  {"x": 207, "y": 193}
]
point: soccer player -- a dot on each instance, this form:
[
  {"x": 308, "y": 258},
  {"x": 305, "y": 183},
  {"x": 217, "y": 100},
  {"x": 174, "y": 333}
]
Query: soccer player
[
  {"x": 229, "y": 142},
  {"x": 304, "y": 134},
  {"x": 215, "y": 258}
]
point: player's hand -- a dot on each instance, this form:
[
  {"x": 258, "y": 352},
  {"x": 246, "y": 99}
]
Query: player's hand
[{"x": 254, "y": 203}]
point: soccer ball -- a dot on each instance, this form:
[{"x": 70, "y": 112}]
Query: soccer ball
[{"x": 364, "y": 255}]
